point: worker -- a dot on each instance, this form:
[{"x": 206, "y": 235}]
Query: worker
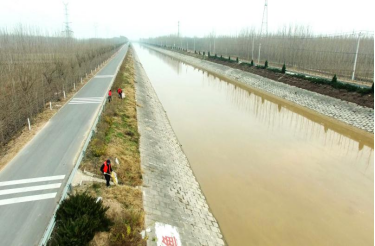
[
  {"x": 106, "y": 169},
  {"x": 109, "y": 95},
  {"x": 119, "y": 91}
]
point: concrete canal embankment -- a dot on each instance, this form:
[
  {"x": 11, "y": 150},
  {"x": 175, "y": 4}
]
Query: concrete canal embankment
[
  {"x": 174, "y": 205},
  {"x": 346, "y": 112}
]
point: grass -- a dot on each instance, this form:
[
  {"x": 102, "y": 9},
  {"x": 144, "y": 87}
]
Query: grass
[
  {"x": 117, "y": 137},
  {"x": 335, "y": 84}
]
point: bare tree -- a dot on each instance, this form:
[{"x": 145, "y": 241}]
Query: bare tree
[
  {"x": 296, "y": 46},
  {"x": 35, "y": 68}
]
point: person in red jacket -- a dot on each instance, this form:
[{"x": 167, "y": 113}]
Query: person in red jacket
[
  {"x": 109, "y": 95},
  {"x": 119, "y": 91},
  {"x": 106, "y": 169}
]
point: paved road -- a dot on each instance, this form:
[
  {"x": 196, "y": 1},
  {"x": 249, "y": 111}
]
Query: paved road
[{"x": 32, "y": 183}]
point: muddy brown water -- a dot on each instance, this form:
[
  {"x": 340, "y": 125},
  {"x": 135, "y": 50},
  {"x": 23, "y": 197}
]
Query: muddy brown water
[{"x": 273, "y": 174}]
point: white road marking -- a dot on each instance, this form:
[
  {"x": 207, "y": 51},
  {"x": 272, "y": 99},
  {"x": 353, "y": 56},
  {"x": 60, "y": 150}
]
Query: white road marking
[
  {"x": 32, "y": 180},
  {"x": 30, "y": 188},
  {"x": 75, "y": 103},
  {"x": 88, "y": 97},
  {"x": 103, "y": 76},
  {"x": 27, "y": 198},
  {"x": 86, "y": 100}
]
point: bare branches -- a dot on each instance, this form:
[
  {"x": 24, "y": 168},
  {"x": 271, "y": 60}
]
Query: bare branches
[
  {"x": 296, "y": 46},
  {"x": 34, "y": 69}
]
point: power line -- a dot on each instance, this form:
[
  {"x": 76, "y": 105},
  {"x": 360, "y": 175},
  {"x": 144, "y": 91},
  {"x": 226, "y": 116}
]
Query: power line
[
  {"x": 309, "y": 36},
  {"x": 318, "y": 51},
  {"x": 95, "y": 30},
  {"x": 345, "y": 35}
]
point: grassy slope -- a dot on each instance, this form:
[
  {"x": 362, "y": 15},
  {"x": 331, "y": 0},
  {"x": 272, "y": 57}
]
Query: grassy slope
[{"x": 117, "y": 137}]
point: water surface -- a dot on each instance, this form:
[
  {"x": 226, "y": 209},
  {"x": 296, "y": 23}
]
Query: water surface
[{"x": 273, "y": 174}]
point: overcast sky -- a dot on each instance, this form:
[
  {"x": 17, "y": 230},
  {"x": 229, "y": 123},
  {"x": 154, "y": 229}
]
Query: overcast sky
[{"x": 140, "y": 19}]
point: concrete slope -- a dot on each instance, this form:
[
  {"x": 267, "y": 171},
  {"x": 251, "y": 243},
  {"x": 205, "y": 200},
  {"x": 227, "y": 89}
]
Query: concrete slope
[
  {"x": 329, "y": 107},
  {"x": 31, "y": 184}
]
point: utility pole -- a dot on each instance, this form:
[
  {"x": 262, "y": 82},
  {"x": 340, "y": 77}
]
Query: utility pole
[
  {"x": 68, "y": 31},
  {"x": 214, "y": 46},
  {"x": 260, "y": 45},
  {"x": 194, "y": 43},
  {"x": 178, "y": 34},
  {"x": 356, "y": 55},
  {"x": 264, "y": 26},
  {"x": 252, "y": 52}
]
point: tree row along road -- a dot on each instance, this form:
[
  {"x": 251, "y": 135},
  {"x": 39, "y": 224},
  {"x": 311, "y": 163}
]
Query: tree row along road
[{"x": 31, "y": 184}]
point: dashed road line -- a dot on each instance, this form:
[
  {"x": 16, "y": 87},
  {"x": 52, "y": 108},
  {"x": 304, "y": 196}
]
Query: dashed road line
[
  {"x": 27, "y": 198},
  {"x": 36, "y": 197},
  {"x": 30, "y": 188},
  {"x": 32, "y": 180},
  {"x": 103, "y": 76},
  {"x": 86, "y": 100}
]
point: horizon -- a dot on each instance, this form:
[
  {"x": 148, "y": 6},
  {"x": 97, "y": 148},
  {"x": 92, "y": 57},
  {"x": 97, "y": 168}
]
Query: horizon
[{"x": 197, "y": 19}]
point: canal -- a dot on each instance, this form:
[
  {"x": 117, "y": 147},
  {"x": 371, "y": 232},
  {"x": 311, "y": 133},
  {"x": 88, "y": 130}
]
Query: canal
[{"x": 272, "y": 173}]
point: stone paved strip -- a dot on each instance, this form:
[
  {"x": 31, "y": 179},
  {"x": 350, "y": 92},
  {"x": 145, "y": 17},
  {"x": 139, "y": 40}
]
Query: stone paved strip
[
  {"x": 347, "y": 112},
  {"x": 171, "y": 194}
]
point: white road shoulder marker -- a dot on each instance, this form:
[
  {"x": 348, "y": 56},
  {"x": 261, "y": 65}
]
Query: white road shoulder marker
[
  {"x": 30, "y": 188},
  {"x": 32, "y": 180},
  {"x": 27, "y": 198}
]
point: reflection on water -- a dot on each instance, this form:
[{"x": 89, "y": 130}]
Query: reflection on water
[{"x": 272, "y": 173}]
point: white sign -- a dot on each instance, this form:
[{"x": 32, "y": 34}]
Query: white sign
[{"x": 167, "y": 235}]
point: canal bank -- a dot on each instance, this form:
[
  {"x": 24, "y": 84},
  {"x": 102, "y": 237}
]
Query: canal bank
[
  {"x": 271, "y": 174},
  {"x": 175, "y": 207},
  {"x": 346, "y": 112}
]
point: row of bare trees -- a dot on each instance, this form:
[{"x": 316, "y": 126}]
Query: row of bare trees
[
  {"x": 296, "y": 46},
  {"x": 36, "y": 69}
]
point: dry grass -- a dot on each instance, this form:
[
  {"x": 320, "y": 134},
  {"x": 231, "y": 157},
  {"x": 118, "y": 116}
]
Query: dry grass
[
  {"x": 117, "y": 133},
  {"x": 125, "y": 210},
  {"x": 10, "y": 150},
  {"x": 117, "y": 137}
]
